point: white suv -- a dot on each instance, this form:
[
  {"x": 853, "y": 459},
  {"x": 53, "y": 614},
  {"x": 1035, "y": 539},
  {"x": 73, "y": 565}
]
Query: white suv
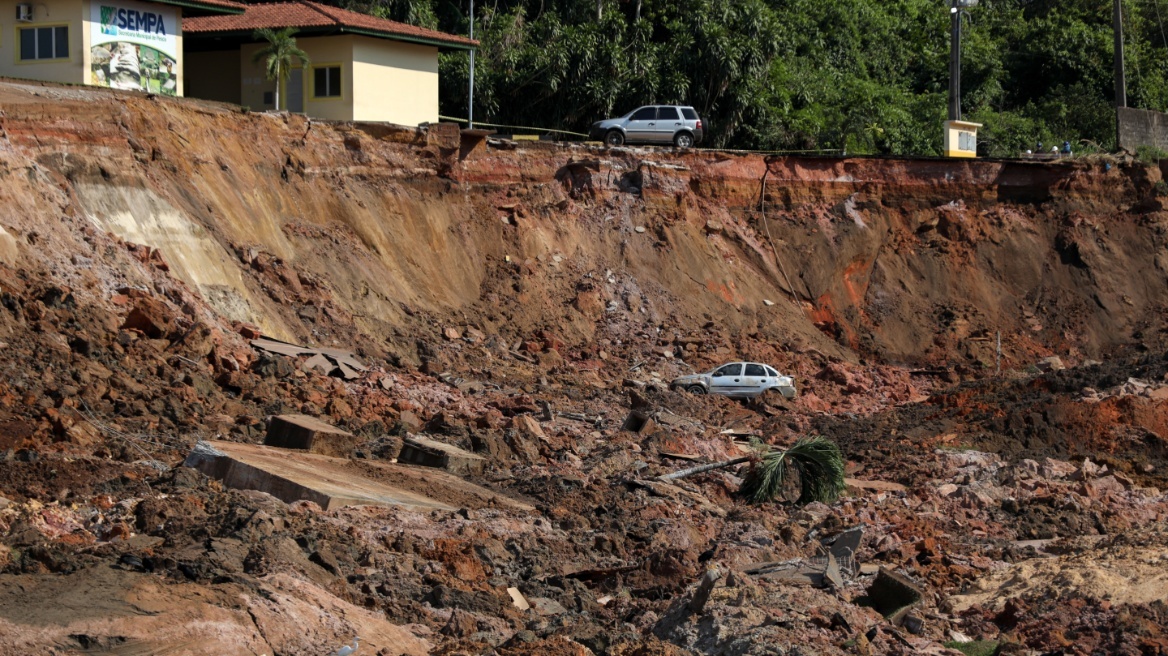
[
  {"x": 738, "y": 379},
  {"x": 652, "y": 124}
]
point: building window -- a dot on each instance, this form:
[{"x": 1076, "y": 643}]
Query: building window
[
  {"x": 326, "y": 82},
  {"x": 44, "y": 43}
]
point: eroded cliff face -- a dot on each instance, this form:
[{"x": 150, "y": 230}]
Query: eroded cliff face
[{"x": 906, "y": 261}]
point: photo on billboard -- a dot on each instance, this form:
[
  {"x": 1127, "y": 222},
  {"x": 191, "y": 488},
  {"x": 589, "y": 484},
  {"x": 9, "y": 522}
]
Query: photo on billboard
[{"x": 122, "y": 65}]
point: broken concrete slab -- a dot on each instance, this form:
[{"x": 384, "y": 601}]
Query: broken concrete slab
[
  {"x": 847, "y": 543},
  {"x": 299, "y": 476},
  {"x": 309, "y": 434},
  {"x": 639, "y": 422},
  {"x": 832, "y": 574},
  {"x": 431, "y": 453},
  {"x": 318, "y": 363},
  {"x": 547, "y": 607},
  {"x": 334, "y": 482},
  {"x": 330, "y": 361},
  {"x": 893, "y": 595}
]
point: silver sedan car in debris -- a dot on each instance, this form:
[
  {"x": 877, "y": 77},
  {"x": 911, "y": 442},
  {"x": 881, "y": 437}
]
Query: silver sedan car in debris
[{"x": 742, "y": 380}]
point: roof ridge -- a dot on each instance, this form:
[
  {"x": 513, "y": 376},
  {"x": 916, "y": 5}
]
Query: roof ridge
[{"x": 320, "y": 9}]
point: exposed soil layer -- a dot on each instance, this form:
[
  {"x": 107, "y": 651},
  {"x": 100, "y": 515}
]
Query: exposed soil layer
[{"x": 518, "y": 301}]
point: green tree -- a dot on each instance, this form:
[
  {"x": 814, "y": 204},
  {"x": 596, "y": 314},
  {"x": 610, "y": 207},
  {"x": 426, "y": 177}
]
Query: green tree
[
  {"x": 868, "y": 76},
  {"x": 280, "y": 55}
]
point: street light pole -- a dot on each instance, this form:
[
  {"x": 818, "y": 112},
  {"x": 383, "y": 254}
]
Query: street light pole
[
  {"x": 1120, "y": 78},
  {"x": 955, "y": 61},
  {"x": 470, "y": 95}
]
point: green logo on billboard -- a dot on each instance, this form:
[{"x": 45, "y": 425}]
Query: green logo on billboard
[{"x": 109, "y": 16}]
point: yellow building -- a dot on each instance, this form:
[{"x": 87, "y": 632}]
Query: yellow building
[
  {"x": 960, "y": 139},
  {"x": 362, "y": 68},
  {"x": 123, "y": 44}
]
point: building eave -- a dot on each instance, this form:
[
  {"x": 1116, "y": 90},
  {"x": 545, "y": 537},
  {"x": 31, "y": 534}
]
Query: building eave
[
  {"x": 446, "y": 45},
  {"x": 339, "y": 29}
]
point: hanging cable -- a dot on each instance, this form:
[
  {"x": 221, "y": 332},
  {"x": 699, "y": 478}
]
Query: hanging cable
[{"x": 1163, "y": 40}]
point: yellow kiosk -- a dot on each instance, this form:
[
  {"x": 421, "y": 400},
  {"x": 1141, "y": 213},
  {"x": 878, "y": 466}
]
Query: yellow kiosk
[{"x": 961, "y": 139}]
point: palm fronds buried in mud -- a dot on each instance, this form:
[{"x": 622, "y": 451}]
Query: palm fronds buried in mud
[{"x": 817, "y": 461}]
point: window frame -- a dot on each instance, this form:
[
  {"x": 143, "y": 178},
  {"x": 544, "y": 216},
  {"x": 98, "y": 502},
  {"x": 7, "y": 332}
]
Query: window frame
[
  {"x": 340, "y": 81},
  {"x": 35, "y": 28},
  {"x": 718, "y": 372},
  {"x": 633, "y": 116}
]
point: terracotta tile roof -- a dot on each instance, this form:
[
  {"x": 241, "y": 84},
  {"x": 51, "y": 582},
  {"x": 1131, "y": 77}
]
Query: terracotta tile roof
[
  {"x": 232, "y": 7},
  {"x": 313, "y": 16}
]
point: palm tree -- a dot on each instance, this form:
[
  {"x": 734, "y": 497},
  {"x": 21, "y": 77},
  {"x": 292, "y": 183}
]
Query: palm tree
[
  {"x": 817, "y": 461},
  {"x": 280, "y": 55}
]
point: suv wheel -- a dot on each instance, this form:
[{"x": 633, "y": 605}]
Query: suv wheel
[
  {"x": 614, "y": 138},
  {"x": 683, "y": 140}
]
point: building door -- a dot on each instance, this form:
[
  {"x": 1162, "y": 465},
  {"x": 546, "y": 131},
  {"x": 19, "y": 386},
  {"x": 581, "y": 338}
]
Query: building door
[{"x": 295, "y": 93}]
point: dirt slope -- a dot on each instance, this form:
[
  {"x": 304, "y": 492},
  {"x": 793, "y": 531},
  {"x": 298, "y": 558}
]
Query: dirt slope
[{"x": 902, "y": 260}]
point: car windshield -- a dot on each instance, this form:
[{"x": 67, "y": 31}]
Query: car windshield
[{"x": 729, "y": 370}]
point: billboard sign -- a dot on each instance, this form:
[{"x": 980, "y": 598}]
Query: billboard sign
[{"x": 134, "y": 46}]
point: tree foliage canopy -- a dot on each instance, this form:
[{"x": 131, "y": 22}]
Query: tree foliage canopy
[{"x": 870, "y": 76}]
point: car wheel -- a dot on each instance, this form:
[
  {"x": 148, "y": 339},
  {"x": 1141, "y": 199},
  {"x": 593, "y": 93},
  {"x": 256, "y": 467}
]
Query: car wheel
[
  {"x": 696, "y": 389},
  {"x": 614, "y": 138},
  {"x": 683, "y": 140}
]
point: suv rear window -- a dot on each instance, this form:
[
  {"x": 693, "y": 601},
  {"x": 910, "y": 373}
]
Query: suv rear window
[
  {"x": 755, "y": 370},
  {"x": 689, "y": 114},
  {"x": 666, "y": 113}
]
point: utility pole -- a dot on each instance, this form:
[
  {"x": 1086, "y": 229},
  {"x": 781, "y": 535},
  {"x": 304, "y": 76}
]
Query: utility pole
[
  {"x": 1120, "y": 78},
  {"x": 470, "y": 94},
  {"x": 955, "y": 61}
]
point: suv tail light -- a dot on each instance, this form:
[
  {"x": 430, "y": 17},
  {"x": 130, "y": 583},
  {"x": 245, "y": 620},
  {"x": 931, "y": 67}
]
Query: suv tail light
[{"x": 699, "y": 124}]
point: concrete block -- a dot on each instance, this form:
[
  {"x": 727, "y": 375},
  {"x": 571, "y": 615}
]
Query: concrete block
[
  {"x": 893, "y": 595},
  {"x": 310, "y": 434},
  {"x": 299, "y": 476},
  {"x": 429, "y": 453}
]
